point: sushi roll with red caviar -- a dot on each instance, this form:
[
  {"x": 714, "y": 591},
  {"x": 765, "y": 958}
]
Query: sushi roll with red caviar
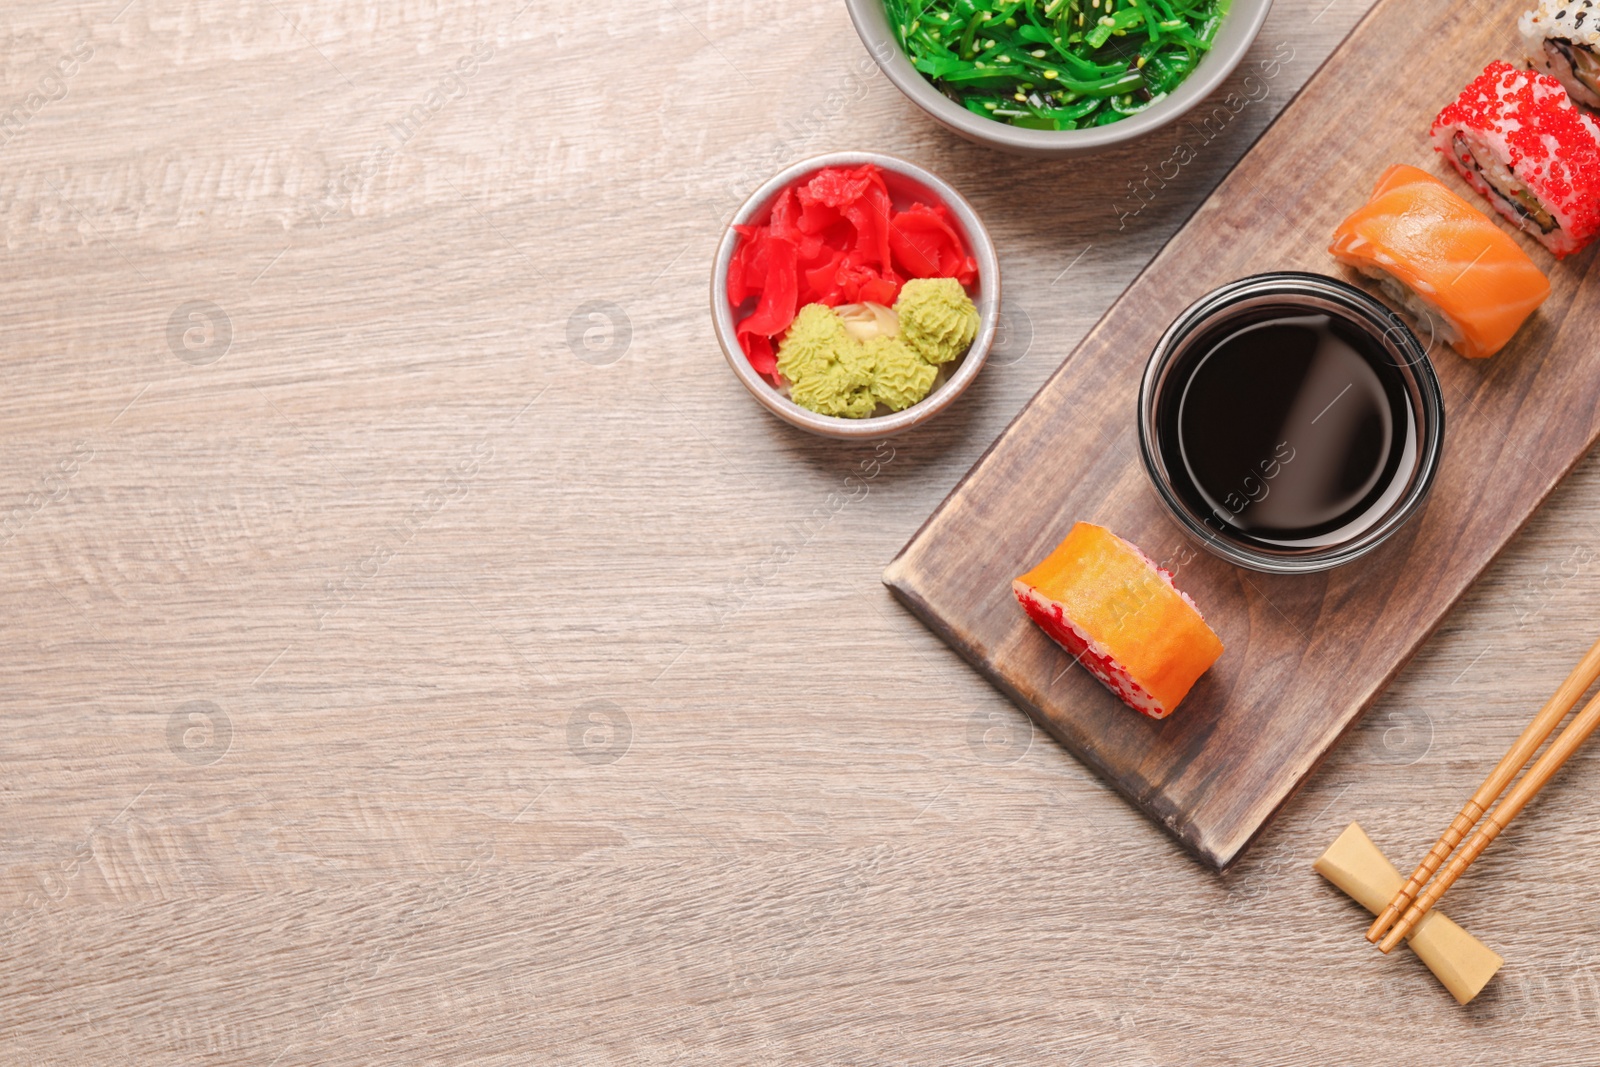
[
  {"x": 1563, "y": 40},
  {"x": 1517, "y": 139},
  {"x": 1120, "y": 616}
]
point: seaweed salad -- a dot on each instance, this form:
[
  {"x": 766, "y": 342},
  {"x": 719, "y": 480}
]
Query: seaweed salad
[{"x": 1055, "y": 64}]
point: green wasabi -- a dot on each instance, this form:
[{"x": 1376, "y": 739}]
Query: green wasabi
[
  {"x": 878, "y": 357},
  {"x": 900, "y": 376},
  {"x": 937, "y": 318},
  {"x": 828, "y": 371},
  {"x": 814, "y": 342}
]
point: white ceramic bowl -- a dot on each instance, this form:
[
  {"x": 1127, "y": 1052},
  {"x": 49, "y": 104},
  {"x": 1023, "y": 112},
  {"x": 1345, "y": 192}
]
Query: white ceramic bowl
[
  {"x": 1238, "y": 31},
  {"x": 906, "y": 182}
]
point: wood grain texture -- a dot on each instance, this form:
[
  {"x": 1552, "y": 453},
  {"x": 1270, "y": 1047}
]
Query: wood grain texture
[
  {"x": 584, "y": 733},
  {"x": 1305, "y": 654}
]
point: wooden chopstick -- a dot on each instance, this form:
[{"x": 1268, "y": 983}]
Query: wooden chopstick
[
  {"x": 1577, "y": 683},
  {"x": 1565, "y": 744}
]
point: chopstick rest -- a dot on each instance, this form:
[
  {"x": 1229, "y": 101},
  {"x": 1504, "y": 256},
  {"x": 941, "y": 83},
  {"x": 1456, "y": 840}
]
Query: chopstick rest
[{"x": 1460, "y": 961}]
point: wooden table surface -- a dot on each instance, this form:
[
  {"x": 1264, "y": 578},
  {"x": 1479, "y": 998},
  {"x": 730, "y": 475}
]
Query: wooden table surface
[{"x": 417, "y": 648}]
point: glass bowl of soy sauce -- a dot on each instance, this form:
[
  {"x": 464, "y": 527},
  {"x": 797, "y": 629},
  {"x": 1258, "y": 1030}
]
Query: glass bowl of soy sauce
[{"x": 1291, "y": 422}]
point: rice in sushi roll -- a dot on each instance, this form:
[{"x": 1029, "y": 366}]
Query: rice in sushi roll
[
  {"x": 1517, "y": 139},
  {"x": 1563, "y": 40}
]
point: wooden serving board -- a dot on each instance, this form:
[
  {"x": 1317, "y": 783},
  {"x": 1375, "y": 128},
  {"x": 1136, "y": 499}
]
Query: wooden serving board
[{"x": 1305, "y": 654}]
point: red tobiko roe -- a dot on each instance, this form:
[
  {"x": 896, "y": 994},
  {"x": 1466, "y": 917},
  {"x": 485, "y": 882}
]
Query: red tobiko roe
[
  {"x": 1542, "y": 127},
  {"x": 834, "y": 239}
]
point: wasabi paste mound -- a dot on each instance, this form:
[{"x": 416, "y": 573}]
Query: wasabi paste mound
[
  {"x": 828, "y": 370},
  {"x": 900, "y": 376},
  {"x": 816, "y": 339},
  {"x": 937, "y": 318}
]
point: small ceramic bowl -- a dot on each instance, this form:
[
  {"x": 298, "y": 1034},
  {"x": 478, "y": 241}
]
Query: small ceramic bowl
[
  {"x": 1238, "y": 31},
  {"x": 907, "y": 182}
]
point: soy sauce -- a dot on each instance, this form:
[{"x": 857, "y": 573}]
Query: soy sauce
[{"x": 1288, "y": 428}]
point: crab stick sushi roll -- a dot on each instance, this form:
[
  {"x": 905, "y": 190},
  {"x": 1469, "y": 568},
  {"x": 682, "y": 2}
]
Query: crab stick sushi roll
[
  {"x": 1443, "y": 260},
  {"x": 1119, "y": 614},
  {"x": 1563, "y": 40},
  {"x": 1517, "y": 139}
]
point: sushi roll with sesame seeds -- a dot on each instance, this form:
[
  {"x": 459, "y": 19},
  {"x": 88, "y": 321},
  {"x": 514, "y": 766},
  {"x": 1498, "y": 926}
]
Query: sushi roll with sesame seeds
[
  {"x": 1563, "y": 40},
  {"x": 1516, "y": 138}
]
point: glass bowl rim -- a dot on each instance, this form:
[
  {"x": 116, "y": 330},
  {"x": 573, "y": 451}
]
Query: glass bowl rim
[{"x": 1364, "y": 309}]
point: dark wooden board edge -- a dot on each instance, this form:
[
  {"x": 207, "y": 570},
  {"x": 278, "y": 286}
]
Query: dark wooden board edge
[{"x": 931, "y": 620}]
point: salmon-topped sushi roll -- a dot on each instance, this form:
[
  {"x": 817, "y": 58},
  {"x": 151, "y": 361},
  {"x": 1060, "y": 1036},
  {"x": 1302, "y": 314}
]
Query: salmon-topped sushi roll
[
  {"x": 1119, "y": 615},
  {"x": 1443, "y": 260}
]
